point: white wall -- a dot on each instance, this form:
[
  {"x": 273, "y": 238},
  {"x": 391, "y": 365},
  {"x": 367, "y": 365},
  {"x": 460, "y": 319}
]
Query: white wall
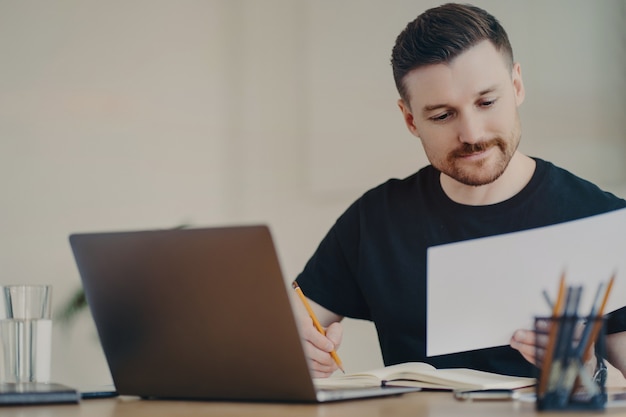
[{"x": 152, "y": 113}]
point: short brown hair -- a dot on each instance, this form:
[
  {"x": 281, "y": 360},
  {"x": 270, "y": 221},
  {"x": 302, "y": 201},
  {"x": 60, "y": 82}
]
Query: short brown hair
[{"x": 442, "y": 33}]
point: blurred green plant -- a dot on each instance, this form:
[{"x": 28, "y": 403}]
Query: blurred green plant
[{"x": 76, "y": 303}]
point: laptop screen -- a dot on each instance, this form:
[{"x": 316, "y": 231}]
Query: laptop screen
[{"x": 195, "y": 313}]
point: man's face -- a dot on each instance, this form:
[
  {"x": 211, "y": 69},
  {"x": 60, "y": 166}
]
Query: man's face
[{"x": 465, "y": 113}]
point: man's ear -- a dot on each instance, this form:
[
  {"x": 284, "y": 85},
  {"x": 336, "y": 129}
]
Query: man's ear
[
  {"x": 518, "y": 84},
  {"x": 409, "y": 120}
]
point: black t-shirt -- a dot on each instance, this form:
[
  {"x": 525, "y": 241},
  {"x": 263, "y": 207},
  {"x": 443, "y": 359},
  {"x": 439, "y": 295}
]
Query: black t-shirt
[{"x": 372, "y": 263}]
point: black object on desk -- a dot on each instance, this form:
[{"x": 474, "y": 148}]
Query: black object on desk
[
  {"x": 37, "y": 393},
  {"x": 98, "y": 391}
]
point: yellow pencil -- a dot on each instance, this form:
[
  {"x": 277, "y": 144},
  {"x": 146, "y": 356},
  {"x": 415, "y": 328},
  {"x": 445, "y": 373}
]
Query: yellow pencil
[
  {"x": 547, "y": 359},
  {"x": 595, "y": 330},
  {"x": 316, "y": 322}
]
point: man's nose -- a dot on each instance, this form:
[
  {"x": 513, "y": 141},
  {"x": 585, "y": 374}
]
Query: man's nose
[{"x": 470, "y": 129}]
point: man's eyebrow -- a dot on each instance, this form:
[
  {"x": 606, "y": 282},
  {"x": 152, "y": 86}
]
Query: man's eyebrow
[
  {"x": 432, "y": 107},
  {"x": 487, "y": 90}
]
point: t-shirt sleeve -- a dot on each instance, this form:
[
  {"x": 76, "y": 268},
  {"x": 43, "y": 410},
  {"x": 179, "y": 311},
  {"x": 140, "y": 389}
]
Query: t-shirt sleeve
[
  {"x": 616, "y": 321},
  {"x": 330, "y": 276}
]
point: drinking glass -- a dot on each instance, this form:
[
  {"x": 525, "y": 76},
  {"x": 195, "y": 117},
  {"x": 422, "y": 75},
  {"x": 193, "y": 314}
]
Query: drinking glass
[{"x": 25, "y": 333}]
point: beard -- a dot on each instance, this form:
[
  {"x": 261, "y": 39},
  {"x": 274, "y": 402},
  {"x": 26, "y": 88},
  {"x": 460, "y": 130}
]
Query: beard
[{"x": 485, "y": 170}]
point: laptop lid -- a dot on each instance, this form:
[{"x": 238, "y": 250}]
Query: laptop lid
[{"x": 196, "y": 314}]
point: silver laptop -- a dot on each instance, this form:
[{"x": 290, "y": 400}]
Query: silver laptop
[{"x": 198, "y": 314}]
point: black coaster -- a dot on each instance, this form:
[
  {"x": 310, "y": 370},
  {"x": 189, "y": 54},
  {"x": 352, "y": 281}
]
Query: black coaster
[{"x": 37, "y": 393}]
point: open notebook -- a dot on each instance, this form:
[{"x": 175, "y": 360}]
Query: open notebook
[
  {"x": 426, "y": 376},
  {"x": 198, "y": 314}
]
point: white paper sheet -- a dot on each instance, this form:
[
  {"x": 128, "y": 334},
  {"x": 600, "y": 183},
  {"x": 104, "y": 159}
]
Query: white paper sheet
[{"x": 480, "y": 291}]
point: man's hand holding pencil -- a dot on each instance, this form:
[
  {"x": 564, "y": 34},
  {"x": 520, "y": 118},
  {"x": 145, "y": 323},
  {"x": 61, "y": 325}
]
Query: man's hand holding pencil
[{"x": 320, "y": 343}]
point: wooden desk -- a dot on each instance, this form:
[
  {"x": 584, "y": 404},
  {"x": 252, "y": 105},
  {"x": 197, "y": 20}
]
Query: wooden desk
[{"x": 431, "y": 404}]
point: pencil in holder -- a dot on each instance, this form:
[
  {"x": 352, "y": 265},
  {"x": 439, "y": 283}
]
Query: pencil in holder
[{"x": 568, "y": 377}]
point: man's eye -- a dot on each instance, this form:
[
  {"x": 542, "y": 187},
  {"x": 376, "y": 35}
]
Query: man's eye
[
  {"x": 440, "y": 117},
  {"x": 487, "y": 103}
]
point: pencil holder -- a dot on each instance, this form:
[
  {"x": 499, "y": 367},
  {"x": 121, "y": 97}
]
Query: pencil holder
[{"x": 568, "y": 374}]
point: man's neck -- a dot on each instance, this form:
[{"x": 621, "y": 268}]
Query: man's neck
[{"x": 514, "y": 178}]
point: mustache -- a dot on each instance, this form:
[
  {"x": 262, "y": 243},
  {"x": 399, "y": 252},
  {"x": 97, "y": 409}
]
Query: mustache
[{"x": 471, "y": 148}]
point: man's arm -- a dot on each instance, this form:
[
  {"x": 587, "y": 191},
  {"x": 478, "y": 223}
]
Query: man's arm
[
  {"x": 317, "y": 347},
  {"x": 616, "y": 351}
]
